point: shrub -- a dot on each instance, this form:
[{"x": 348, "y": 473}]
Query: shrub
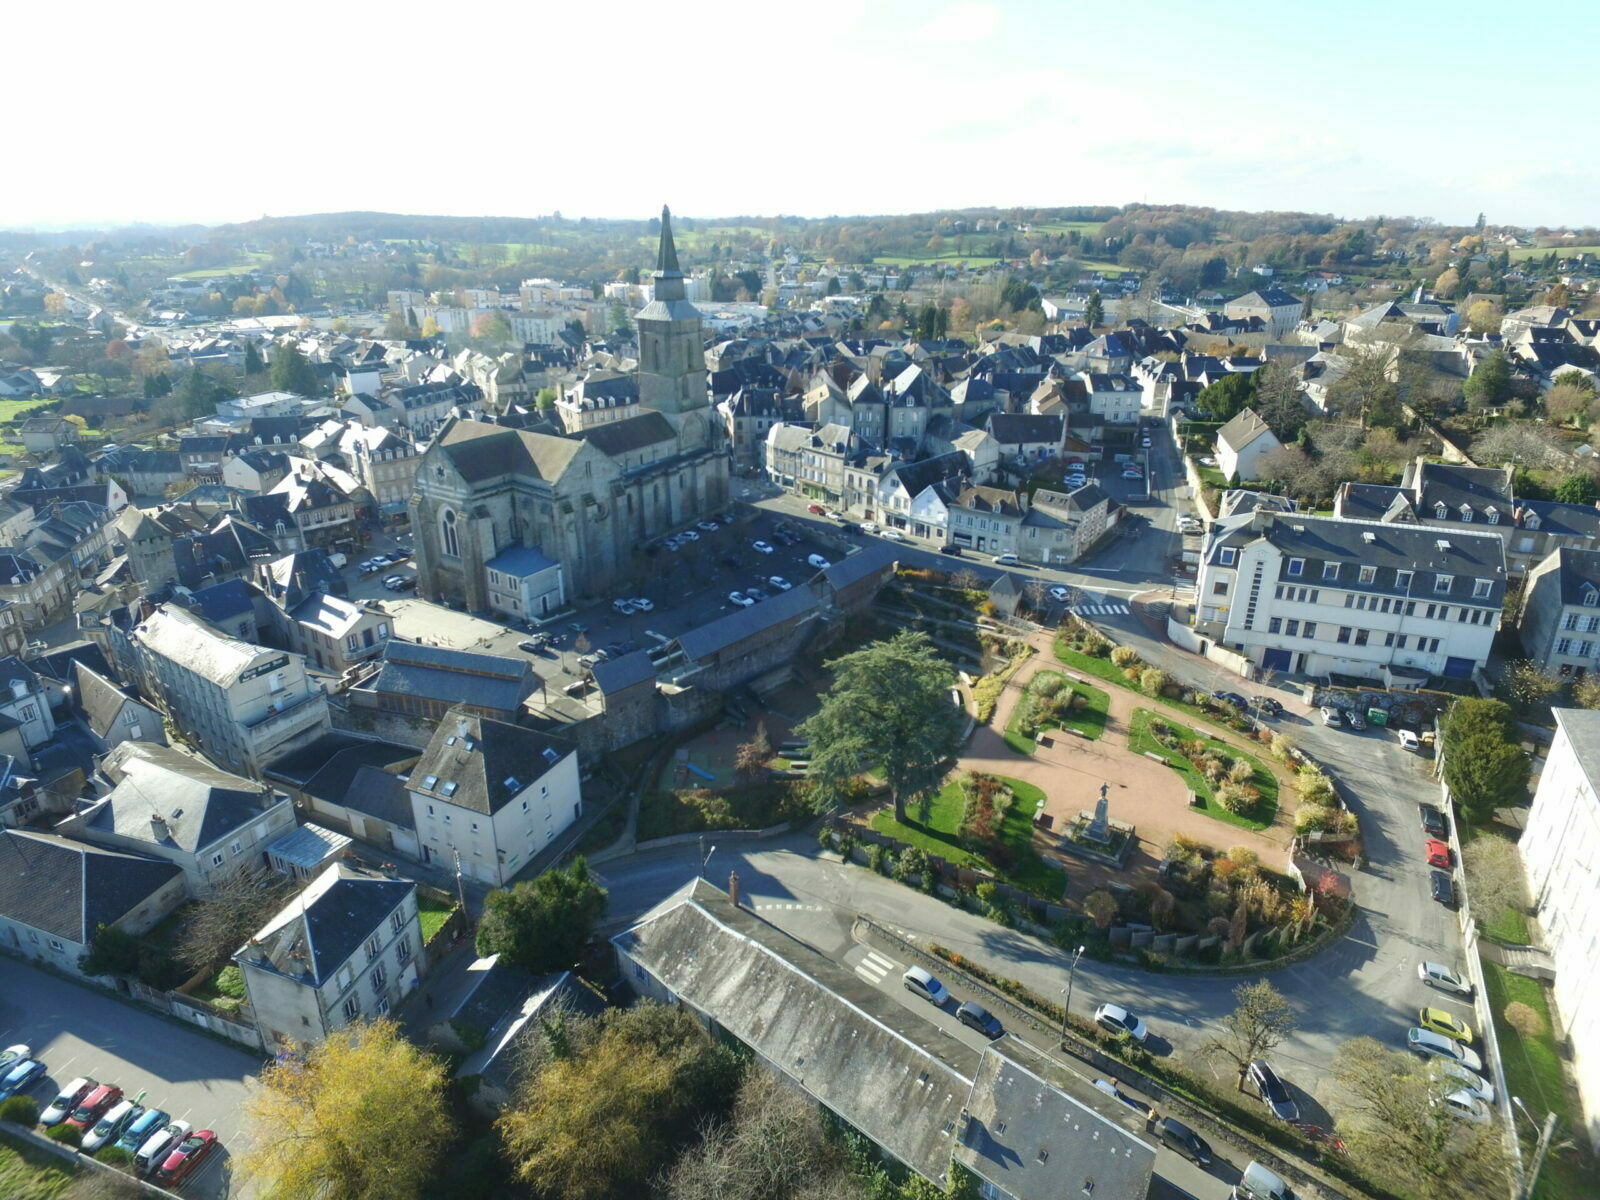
[
  {"x": 875, "y": 857},
  {"x": 912, "y": 861},
  {"x": 22, "y": 1110},
  {"x": 1283, "y": 745},
  {"x": 230, "y": 982},
  {"x": 825, "y": 838},
  {"x": 115, "y": 1156},
  {"x": 1242, "y": 771},
  {"x": 1153, "y": 681},
  {"x": 1315, "y": 787},
  {"x": 67, "y": 1135},
  {"x": 1102, "y": 908},
  {"x": 1124, "y": 656},
  {"x": 1048, "y": 685},
  {"x": 1243, "y": 858},
  {"x": 1235, "y": 799},
  {"x": 1079, "y": 702}
]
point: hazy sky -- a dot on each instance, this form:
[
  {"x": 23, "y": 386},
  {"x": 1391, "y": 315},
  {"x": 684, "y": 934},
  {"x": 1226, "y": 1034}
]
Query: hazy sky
[{"x": 218, "y": 112}]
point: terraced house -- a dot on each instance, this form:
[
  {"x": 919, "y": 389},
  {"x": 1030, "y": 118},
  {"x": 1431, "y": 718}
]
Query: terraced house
[{"x": 1321, "y": 595}]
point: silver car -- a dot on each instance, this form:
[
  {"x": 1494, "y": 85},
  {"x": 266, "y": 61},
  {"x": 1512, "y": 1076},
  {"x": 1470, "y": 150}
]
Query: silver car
[{"x": 1435, "y": 1045}]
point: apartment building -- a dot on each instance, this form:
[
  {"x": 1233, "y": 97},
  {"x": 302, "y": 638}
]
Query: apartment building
[{"x": 1320, "y": 595}]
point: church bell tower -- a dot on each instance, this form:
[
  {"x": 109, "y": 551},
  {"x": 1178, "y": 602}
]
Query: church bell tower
[{"x": 672, "y": 361}]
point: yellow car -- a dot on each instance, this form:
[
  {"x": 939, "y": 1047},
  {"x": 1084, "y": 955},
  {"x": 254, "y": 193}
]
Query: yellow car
[{"x": 1444, "y": 1023}]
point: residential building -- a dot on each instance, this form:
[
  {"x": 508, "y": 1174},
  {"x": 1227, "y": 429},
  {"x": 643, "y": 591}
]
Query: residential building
[
  {"x": 385, "y": 463},
  {"x": 1321, "y": 595},
  {"x": 304, "y": 511},
  {"x": 345, "y": 948},
  {"x": 335, "y": 633},
  {"x": 243, "y": 704},
  {"x": 1007, "y": 1113},
  {"x": 25, "y": 701},
  {"x": 13, "y": 637},
  {"x": 355, "y": 784},
  {"x": 1560, "y": 623},
  {"x": 488, "y": 796},
  {"x": 1447, "y": 496},
  {"x": 1113, "y": 399},
  {"x": 1276, "y": 308},
  {"x": 56, "y": 893},
  {"x": 524, "y": 585},
  {"x": 176, "y": 806},
  {"x": 986, "y": 519},
  {"x": 112, "y": 714},
  {"x": 1061, "y": 527},
  {"x": 46, "y": 435},
  {"x": 1560, "y": 848},
  {"x": 1025, "y": 438},
  {"x": 1241, "y": 445}
]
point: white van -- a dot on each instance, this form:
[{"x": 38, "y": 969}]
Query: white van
[
  {"x": 1007, "y": 560},
  {"x": 1258, "y": 1183}
]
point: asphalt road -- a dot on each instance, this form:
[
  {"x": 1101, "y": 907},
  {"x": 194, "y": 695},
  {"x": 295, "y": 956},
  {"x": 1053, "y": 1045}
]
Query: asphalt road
[{"x": 80, "y": 1031}]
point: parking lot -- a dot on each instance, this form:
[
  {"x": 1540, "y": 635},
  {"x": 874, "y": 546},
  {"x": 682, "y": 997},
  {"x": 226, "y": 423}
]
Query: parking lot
[{"x": 80, "y": 1031}]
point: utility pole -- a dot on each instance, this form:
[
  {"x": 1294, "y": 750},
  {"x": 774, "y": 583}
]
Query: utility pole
[
  {"x": 1530, "y": 1179},
  {"x": 1066, "y": 1009}
]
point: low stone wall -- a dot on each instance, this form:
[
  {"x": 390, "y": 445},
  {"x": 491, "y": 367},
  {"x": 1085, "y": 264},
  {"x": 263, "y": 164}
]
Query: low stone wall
[{"x": 1184, "y": 637}]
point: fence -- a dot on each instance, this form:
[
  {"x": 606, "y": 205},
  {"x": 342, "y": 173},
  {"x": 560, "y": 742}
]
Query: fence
[
  {"x": 80, "y": 1162},
  {"x": 1191, "y": 641}
]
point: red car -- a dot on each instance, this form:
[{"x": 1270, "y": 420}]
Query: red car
[
  {"x": 183, "y": 1158},
  {"x": 93, "y": 1106},
  {"x": 1438, "y": 853},
  {"x": 818, "y": 509}
]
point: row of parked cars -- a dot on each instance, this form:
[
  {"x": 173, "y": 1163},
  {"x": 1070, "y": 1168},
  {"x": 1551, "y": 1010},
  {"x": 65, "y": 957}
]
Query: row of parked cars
[{"x": 164, "y": 1150}]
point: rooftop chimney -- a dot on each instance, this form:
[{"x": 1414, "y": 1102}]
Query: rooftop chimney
[
  {"x": 733, "y": 887},
  {"x": 158, "y": 826}
]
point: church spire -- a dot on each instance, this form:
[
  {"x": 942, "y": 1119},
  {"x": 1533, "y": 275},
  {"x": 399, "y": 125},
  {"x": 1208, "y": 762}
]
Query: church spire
[{"x": 667, "y": 256}]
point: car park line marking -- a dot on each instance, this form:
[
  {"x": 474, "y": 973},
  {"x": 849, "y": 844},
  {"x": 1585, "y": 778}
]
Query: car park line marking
[{"x": 874, "y": 967}]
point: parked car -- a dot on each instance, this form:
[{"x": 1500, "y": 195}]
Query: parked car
[
  {"x": 869, "y": 527},
  {"x": 1132, "y": 473},
  {"x": 1061, "y": 594},
  {"x": 643, "y": 605},
  {"x": 1427, "y": 1044},
  {"x": 761, "y": 547},
  {"x": 66, "y": 1100},
  {"x": 1468, "y": 1107},
  {"x": 1266, "y": 706},
  {"x": 952, "y": 551},
  {"x": 20, "y": 1077},
  {"x": 1075, "y": 480},
  {"x": 1184, "y": 1140},
  {"x": 141, "y": 1128},
  {"x": 1432, "y": 821},
  {"x": 1274, "y": 1093},
  {"x": 625, "y": 607},
  {"x": 977, "y": 1017},
  {"x": 111, "y": 1124},
  {"x": 530, "y": 647},
  {"x": 1408, "y": 740},
  {"x": 688, "y": 535},
  {"x": 755, "y": 594},
  {"x": 779, "y": 582},
  {"x": 1437, "y": 975},
  {"x": 1232, "y": 698},
  {"x": 185, "y": 1157},
  {"x": 1115, "y": 1019},
  {"x": 1449, "y": 1071},
  {"x": 1145, "y": 441},
  {"x": 740, "y": 599},
  {"x": 817, "y": 509},
  {"x": 94, "y": 1103},
  {"x": 893, "y": 535},
  {"x": 1438, "y": 853},
  {"x": 1445, "y": 1023},
  {"x": 818, "y": 562},
  {"x": 923, "y": 983},
  {"x": 158, "y": 1145},
  {"x": 707, "y": 526},
  {"x": 1354, "y": 719},
  {"x": 1330, "y": 716},
  {"x": 14, "y": 1054},
  {"x": 1442, "y": 888},
  {"x": 1007, "y": 560}
]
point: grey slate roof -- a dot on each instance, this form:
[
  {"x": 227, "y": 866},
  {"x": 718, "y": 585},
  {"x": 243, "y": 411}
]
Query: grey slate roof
[
  {"x": 69, "y": 889},
  {"x": 1024, "y": 427},
  {"x": 1245, "y": 428},
  {"x": 1582, "y": 727},
  {"x": 879, "y": 556},
  {"x": 454, "y": 676},
  {"x": 99, "y": 699},
  {"x": 744, "y": 623},
  {"x": 199, "y": 804},
  {"x": 630, "y": 434},
  {"x": 311, "y": 937},
  {"x": 619, "y": 674},
  {"x": 482, "y": 764},
  {"x": 1579, "y": 573},
  {"x": 351, "y": 771}
]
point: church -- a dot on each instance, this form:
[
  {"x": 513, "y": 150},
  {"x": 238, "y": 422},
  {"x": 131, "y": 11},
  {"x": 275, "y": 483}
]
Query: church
[{"x": 518, "y": 523}]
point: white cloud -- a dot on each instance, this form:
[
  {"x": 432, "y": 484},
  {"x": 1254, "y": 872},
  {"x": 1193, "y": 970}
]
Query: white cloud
[{"x": 961, "y": 24}]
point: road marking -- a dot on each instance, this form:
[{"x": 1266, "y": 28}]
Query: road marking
[
  {"x": 1099, "y": 610},
  {"x": 788, "y": 907},
  {"x": 875, "y": 966}
]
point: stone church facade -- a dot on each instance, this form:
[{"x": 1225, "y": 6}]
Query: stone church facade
[{"x": 586, "y": 501}]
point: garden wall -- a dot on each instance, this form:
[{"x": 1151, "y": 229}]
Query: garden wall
[{"x": 1187, "y": 639}]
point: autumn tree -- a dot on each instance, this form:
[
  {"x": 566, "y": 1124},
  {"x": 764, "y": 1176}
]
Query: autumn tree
[
  {"x": 1484, "y": 317},
  {"x": 1570, "y": 402},
  {"x": 1494, "y": 870},
  {"x": 360, "y": 1115},
  {"x": 889, "y": 707},
  {"x": 751, "y": 757},
  {"x": 607, "y": 1111},
  {"x": 1528, "y": 684},
  {"x": 1258, "y": 1024},
  {"x": 1400, "y": 1133}
]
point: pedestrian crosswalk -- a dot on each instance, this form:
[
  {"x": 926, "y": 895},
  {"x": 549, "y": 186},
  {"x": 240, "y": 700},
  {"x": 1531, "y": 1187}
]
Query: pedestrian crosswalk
[
  {"x": 874, "y": 967},
  {"x": 1100, "y": 610}
]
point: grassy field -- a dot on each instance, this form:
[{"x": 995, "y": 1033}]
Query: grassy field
[
  {"x": 432, "y": 915},
  {"x": 252, "y": 260},
  {"x": 909, "y": 260},
  {"x": 1089, "y": 721},
  {"x": 1141, "y": 740},
  {"x": 1562, "y": 251},
  {"x": 1086, "y": 229},
  {"x": 1533, "y": 1072},
  {"x": 940, "y": 835},
  {"x": 15, "y": 410},
  {"x": 29, "y": 1174}
]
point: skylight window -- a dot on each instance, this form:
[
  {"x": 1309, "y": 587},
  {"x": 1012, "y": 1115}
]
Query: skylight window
[
  {"x": 513, "y": 784},
  {"x": 448, "y": 789},
  {"x": 431, "y": 782}
]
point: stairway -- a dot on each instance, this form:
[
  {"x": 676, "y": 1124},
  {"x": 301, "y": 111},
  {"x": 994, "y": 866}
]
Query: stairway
[{"x": 1531, "y": 961}]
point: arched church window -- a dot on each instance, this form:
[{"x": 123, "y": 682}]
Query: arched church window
[{"x": 449, "y": 534}]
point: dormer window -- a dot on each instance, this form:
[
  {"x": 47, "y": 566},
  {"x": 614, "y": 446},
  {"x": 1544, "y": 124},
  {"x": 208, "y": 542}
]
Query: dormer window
[
  {"x": 1330, "y": 570},
  {"x": 1591, "y": 595},
  {"x": 1492, "y": 516},
  {"x": 1229, "y": 556},
  {"x": 1466, "y": 512},
  {"x": 1533, "y": 521},
  {"x": 1441, "y": 510}
]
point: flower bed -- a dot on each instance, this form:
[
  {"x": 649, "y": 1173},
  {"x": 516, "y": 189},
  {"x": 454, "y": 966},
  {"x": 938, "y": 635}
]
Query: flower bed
[
  {"x": 1245, "y": 795},
  {"x": 1051, "y": 701}
]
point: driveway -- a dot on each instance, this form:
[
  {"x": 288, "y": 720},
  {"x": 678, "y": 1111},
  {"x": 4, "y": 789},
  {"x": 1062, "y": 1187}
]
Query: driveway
[{"x": 78, "y": 1030}]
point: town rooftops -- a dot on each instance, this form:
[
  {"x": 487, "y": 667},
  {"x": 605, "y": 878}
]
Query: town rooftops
[
  {"x": 166, "y": 797},
  {"x": 313, "y": 935},
  {"x": 520, "y": 561},
  {"x": 481, "y": 764},
  {"x": 488, "y": 681},
  {"x": 69, "y": 889},
  {"x": 1272, "y": 297},
  {"x": 1245, "y": 428},
  {"x": 192, "y": 644},
  {"x": 1579, "y": 575}
]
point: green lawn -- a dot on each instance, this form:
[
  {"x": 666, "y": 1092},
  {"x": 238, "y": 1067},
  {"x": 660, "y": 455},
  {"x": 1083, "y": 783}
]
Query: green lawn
[
  {"x": 15, "y": 410},
  {"x": 1084, "y": 228},
  {"x": 909, "y": 260},
  {"x": 1142, "y": 740},
  {"x": 29, "y": 1174},
  {"x": 1562, "y": 251},
  {"x": 432, "y": 914},
  {"x": 1089, "y": 721},
  {"x": 1104, "y": 668},
  {"x": 252, "y": 260},
  {"x": 1533, "y": 1073},
  {"x": 940, "y": 836},
  {"x": 1509, "y": 926}
]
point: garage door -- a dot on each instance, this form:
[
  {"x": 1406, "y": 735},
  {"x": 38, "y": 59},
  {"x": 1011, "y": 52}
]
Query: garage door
[
  {"x": 1458, "y": 668},
  {"x": 1275, "y": 660}
]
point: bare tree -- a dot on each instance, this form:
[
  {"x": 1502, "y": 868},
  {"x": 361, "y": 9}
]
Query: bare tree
[
  {"x": 226, "y": 916},
  {"x": 752, "y": 756},
  {"x": 1494, "y": 872},
  {"x": 1258, "y": 1024},
  {"x": 1519, "y": 443}
]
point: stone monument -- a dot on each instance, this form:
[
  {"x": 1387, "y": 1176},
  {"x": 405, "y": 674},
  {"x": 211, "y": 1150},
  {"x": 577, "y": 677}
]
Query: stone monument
[{"x": 1099, "y": 828}]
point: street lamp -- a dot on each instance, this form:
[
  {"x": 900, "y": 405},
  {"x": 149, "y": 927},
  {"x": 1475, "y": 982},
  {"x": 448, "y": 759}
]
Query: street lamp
[
  {"x": 1066, "y": 1009},
  {"x": 705, "y": 856},
  {"x": 1530, "y": 1179}
]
